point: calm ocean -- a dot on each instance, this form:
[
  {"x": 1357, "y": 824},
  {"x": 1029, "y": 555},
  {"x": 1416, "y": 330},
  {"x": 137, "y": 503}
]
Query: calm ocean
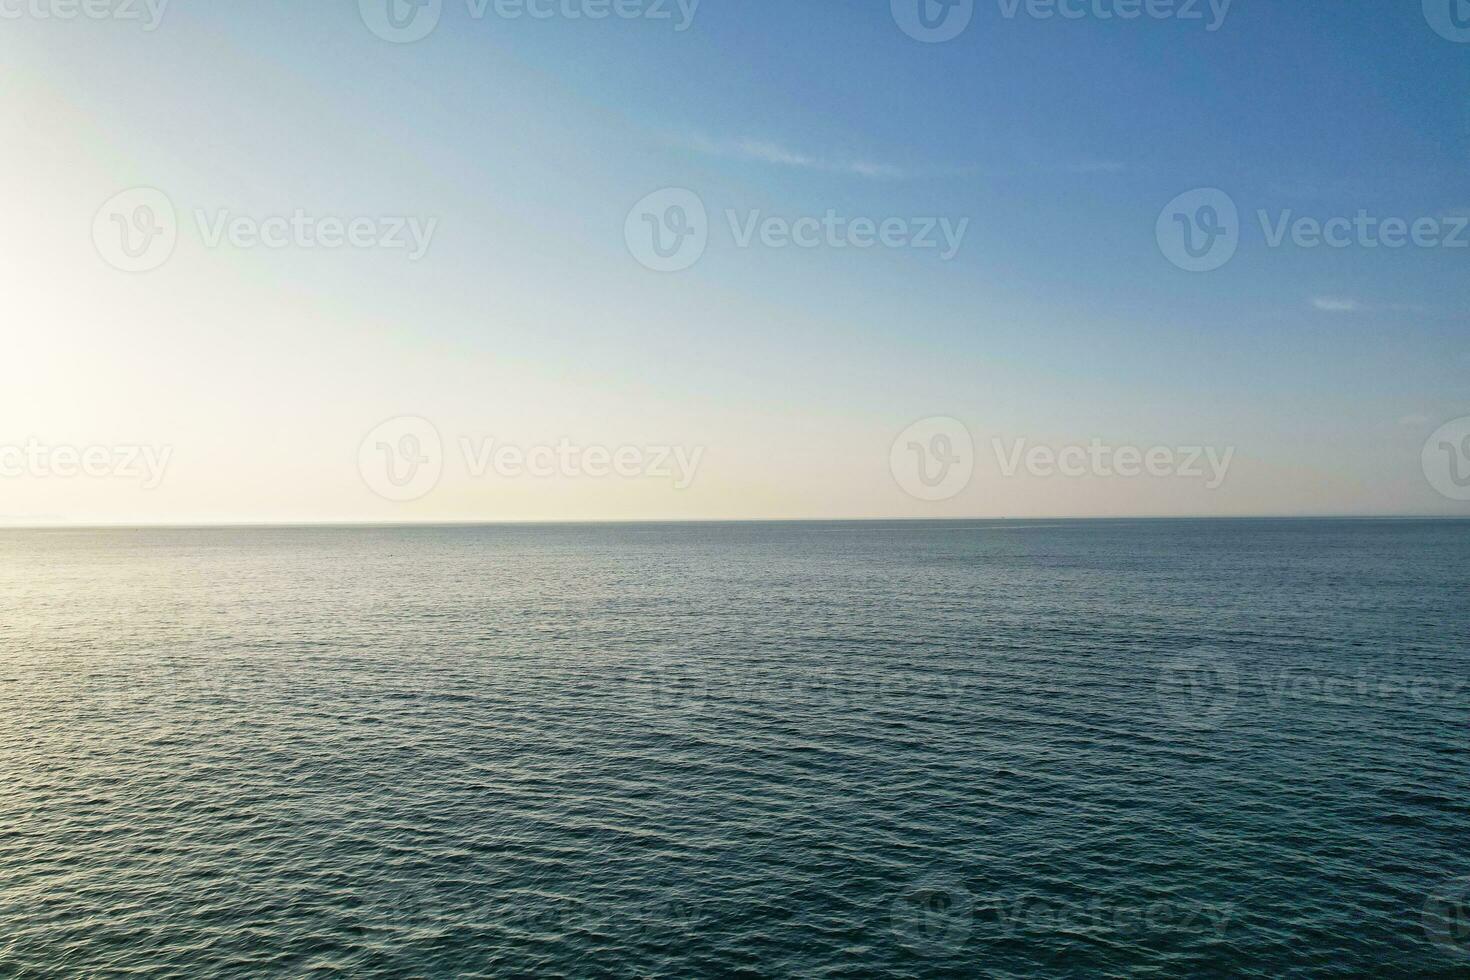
[{"x": 1008, "y": 749}]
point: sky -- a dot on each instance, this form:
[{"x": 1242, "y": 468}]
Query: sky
[{"x": 282, "y": 262}]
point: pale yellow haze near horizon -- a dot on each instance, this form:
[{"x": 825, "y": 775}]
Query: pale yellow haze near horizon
[{"x": 258, "y": 375}]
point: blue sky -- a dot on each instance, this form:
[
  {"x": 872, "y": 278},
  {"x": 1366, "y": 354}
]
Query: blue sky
[{"x": 1059, "y": 320}]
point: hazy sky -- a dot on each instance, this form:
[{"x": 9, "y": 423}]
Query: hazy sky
[{"x": 496, "y": 177}]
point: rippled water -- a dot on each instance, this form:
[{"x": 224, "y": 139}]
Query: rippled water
[{"x": 1005, "y": 749}]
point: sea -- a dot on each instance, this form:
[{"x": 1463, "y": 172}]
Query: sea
[{"x": 1129, "y": 748}]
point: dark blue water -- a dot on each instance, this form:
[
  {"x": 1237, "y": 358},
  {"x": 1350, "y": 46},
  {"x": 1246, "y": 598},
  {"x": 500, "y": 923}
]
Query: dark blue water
[{"x": 1000, "y": 749}]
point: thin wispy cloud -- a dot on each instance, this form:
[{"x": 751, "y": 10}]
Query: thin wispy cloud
[
  {"x": 781, "y": 155},
  {"x": 764, "y": 151},
  {"x": 1343, "y": 304}
]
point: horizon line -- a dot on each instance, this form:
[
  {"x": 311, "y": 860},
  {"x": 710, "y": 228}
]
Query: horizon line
[{"x": 367, "y": 525}]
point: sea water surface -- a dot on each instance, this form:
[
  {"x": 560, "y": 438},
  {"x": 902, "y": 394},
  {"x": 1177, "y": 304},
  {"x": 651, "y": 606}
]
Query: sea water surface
[{"x": 1006, "y": 749}]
